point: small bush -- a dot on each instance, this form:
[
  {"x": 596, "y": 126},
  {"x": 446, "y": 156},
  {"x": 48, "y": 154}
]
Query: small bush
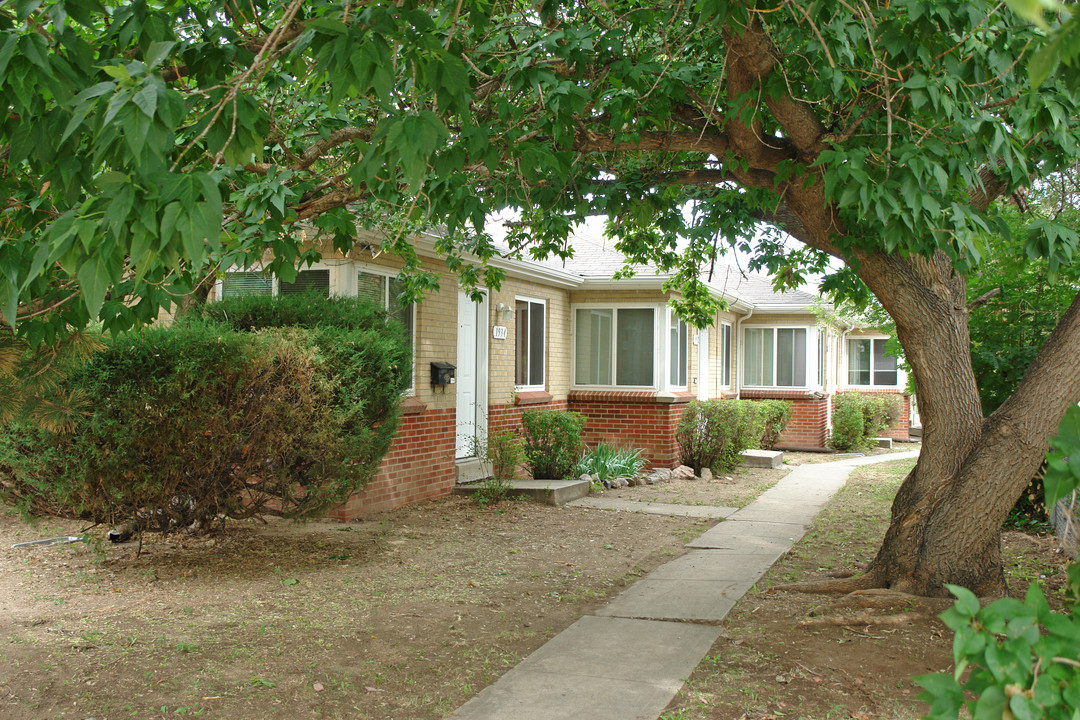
[
  {"x": 506, "y": 453},
  {"x": 774, "y": 416},
  {"x": 552, "y": 442},
  {"x": 609, "y": 462},
  {"x": 199, "y": 420},
  {"x": 858, "y": 419},
  {"x": 712, "y": 433}
]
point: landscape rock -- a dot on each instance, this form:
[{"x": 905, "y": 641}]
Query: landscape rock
[
  {"x": 620, "y": 482},
  {"x": 637, "y": 481},
  {"x": 706, "y": 474},
  {"x": 683, "y": 472}
]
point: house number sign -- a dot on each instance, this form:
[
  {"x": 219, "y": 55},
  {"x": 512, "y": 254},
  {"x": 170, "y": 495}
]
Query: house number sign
[{"x": 498, "y": 332}]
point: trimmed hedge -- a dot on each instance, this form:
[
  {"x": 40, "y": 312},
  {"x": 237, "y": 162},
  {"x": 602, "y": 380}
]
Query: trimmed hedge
[
  {"x": 207, "y": 419},
  {"x": 858, "y": 419}
]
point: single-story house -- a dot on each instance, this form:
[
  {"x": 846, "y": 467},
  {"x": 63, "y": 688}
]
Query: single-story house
[{"x": 564, "y": 334}]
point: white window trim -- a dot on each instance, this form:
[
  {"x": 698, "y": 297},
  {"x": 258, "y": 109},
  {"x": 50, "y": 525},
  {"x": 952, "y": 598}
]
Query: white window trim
[
  {"x": 810, "y": 358},
  {"x": 543, "y": 365},
  {"x": 387, "y": 274},
  {"x": 670, "y": 315},
  {"x": 725, "y": 382},
  {"x": 659, "y": 344},
  {"x": 901, "y": 377}
]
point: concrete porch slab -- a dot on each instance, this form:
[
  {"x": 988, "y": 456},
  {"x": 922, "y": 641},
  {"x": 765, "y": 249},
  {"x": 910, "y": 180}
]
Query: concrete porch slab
[
  {"x": 763, "y": 458},
  {"x": 552, "y": 492}
]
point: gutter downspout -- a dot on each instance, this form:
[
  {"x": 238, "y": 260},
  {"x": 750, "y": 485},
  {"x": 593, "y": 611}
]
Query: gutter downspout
[{"x": 738, "y": 375}]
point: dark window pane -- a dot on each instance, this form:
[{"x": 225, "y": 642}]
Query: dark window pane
[
  {"x": 536, "y": 344},
  {"x": 634, "y": 347},
  {"x": 317, "y": 281},
  {"x": 884, "y": 365},
  {"x": 240, "y": 284},
  {"x": 521, "y": 372}
]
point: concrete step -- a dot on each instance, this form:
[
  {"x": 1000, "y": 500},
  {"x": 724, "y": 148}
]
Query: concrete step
[
  {"x": 552, "y": 492},
  {"x": 763, "y": 458},
  {"x": 885, "y": 443}
]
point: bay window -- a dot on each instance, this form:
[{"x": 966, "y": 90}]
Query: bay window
[
  {"x": 775, "y": 357},
  {"x": 615, "y": 346}
]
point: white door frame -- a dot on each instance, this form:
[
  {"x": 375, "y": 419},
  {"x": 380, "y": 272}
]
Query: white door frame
[
  {"x": 471, "y": 422},
  {"x": 703, "y": 366}
]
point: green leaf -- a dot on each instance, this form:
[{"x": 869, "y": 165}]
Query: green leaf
[
  {"x": 289, "y": 581},
  {"x": 94, "y": 280},
  {"x": 157, "y": 52},
  {"x": 146, "y": 99},
  {"x": 966, "y": 602},
  {"x": 6, "y": 51},
  {"x": 990, "y": 705}
]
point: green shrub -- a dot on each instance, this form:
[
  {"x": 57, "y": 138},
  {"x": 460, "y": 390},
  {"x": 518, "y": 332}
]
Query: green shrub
[
  {"x": 774, "y": 416},
  {"x": 552, "y": 442},
  {"x": 506, "y": 453},
  {"x": 609, "y": 462},
  {"x": 199, "y": 420},
  {"x": 858, "y": 419},
  {"x": 712, "y": 433}
]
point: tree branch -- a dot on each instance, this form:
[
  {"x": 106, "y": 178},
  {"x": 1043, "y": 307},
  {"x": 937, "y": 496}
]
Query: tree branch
[{"x": 983, "y": 299}]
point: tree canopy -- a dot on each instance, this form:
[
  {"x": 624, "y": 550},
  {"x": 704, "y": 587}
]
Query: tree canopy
[
  {"x": 145, "y": 139},
  {"x": 148, "y": 143}
]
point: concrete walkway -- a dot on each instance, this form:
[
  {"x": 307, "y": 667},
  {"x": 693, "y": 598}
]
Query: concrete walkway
[{"x": 629, "y": 659}]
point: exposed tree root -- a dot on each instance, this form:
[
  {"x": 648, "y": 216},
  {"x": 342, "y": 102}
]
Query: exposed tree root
[
  {"x": 865, "y": 619},
  {"x": 885, "y": 599},
  {"x": 833, "y": 586}
]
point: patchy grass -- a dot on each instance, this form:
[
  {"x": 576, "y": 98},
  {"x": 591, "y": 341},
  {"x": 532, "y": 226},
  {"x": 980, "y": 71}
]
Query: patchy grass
[
  {"x": 772, "y": 661},
  {"x": 404, "y": 616}
]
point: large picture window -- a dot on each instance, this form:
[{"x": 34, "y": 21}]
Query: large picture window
[
  {"x": 615, "y": 346},
  {"x": 869, "y": 365},
  {"x": 775, "y": 357},
  {"x": 529, "y": 355},
  {"x": 243, "y": 283}
]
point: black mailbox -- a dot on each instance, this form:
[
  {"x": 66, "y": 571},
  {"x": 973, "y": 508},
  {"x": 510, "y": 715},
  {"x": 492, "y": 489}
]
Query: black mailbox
[{"x": 442, "y": 373}]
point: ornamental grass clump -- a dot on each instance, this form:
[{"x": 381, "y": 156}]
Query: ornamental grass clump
[{"x": 608, "y": 462}]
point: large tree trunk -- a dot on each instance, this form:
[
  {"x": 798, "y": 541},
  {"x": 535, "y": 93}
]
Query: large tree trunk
[{"x": 947, "y": 515}]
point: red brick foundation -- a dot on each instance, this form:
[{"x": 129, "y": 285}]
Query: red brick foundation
[
  {"x": 419, "y": 466},
  {"x": 809, "y": 424},
  {"x": 635, "y": 419}
]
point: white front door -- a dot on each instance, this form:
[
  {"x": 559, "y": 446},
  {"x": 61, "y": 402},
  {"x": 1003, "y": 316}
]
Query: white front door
[{"x": 471, "y": 375}]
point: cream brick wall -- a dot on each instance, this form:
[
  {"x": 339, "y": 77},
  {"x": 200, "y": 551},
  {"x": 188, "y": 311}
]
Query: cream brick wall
[{"x": 502, "y": 353}]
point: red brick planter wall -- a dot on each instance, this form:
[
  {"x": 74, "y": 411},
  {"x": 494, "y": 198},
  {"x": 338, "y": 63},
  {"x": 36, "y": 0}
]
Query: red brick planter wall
[
  {"x": 508, "y": 417},
  {"x": 637, "y": 419},
  {"x": 419, "y": 466},
  {"x": 808, "y": 427}
]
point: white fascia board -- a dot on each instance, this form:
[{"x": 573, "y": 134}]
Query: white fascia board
[
  {"x": 520, "y": 269},
  {"x": 783, "y": 309}
]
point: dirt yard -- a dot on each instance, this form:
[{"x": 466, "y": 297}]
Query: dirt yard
[
  {"x": 796, "y": 656},
  {"x": 410, "y": 614},
  {"x": 404, "y": 616}
]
